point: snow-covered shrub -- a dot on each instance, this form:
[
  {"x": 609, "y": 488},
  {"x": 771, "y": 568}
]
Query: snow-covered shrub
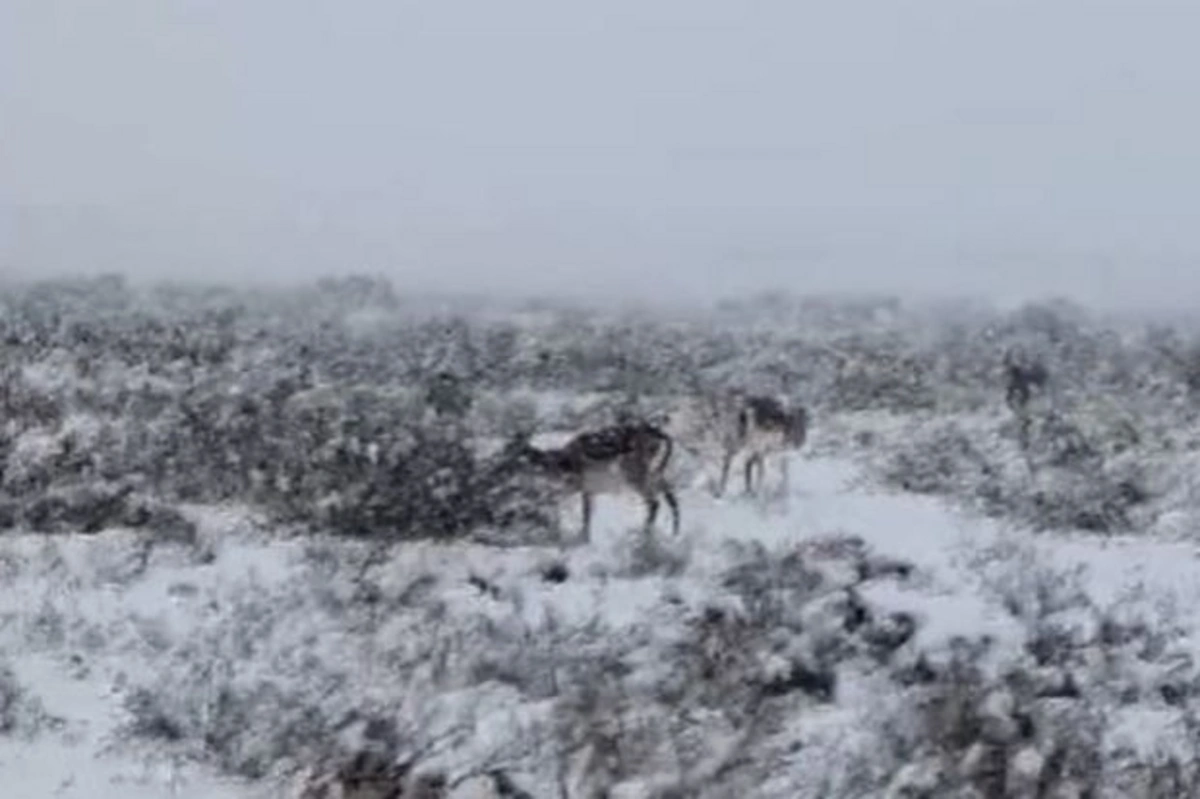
[
  {"x": 1097, "y": 500},
  {"x": 426, "y": 486},
  {"x": 86, "y": 508},
  {"x": 11, "y": 696},
  {"x": 461, "y": 674},
  {"x": 518, "y": 508},
  {"x": 1077, "y": 484},
  {"x": 872, "y": 377},
  {"x": 971, "y": 734},
  {"x": 794, "y": 618},
  {"x": 504, "y": 415},
  {"x": 1056, "y": 479},
  {"x": 21, "y": 714},
  {"x": 367, "y": 774},
  {"x": 938, "y": 459},
  {"x": 653, "y": 553},
  {"x": 26, "y": 404},
  {"x": 1052, "y": 716}
]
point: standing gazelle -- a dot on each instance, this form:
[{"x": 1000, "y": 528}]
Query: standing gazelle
[
  {"x": 622, "y": 457},
  {"x": 1023, "y": 377},
  {"x": 759, "y": 426}
]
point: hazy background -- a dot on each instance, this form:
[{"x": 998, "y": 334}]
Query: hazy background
[{"x": 684, "y": 148}]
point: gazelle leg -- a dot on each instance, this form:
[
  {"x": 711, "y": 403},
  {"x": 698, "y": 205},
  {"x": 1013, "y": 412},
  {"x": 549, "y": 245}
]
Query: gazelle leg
[
  {"x": 673, "y": 504},
  {"x": 726, "y": 462},
  {"x": 785, "y": 470},
  {"x": 587, "y": 517},
  {"x": 749, "y": 470},
  {"x": 651, "y": 500}
]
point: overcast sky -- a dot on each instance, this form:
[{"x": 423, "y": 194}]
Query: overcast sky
[{"x": 670, "y": 147}]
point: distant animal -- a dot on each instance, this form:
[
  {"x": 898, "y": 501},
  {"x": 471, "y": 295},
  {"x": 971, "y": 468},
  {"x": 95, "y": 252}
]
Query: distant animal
[
  {"x": 1021, "y": 378},
  {"x": 624, "y": 457},
  {"x": 760, "y": 426},
  {"x": 448, "y": 395}
]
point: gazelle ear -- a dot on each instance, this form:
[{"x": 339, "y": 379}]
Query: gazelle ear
[{"x": 657, "y": 419}]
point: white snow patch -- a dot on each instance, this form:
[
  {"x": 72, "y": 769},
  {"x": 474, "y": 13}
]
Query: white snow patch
[{"x": 81, "y": 580}]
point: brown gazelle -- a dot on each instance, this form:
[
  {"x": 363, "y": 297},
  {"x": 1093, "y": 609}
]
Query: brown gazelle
[
  {"x": 759, "y": 426},
  {"x": 625, "y": 457}
]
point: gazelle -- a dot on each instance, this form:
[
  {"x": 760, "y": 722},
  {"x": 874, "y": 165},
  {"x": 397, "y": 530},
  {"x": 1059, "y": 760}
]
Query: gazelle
[
  {"x": 623, "y": 457},
  {"x": 1022, "y": 378},
  {"x": 759, "y": 426}
]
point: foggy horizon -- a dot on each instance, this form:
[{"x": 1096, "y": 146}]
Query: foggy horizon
[{"x": 683, "y": 152}]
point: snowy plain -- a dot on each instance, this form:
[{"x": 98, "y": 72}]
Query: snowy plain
[{"x": 86, "y": 620}]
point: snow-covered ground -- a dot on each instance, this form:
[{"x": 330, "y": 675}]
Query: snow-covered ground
[{"x": 91, "y": 626}]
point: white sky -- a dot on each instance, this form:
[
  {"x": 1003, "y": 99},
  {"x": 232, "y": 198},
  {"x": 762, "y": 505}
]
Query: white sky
[{"x": 677, "y": 147}]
